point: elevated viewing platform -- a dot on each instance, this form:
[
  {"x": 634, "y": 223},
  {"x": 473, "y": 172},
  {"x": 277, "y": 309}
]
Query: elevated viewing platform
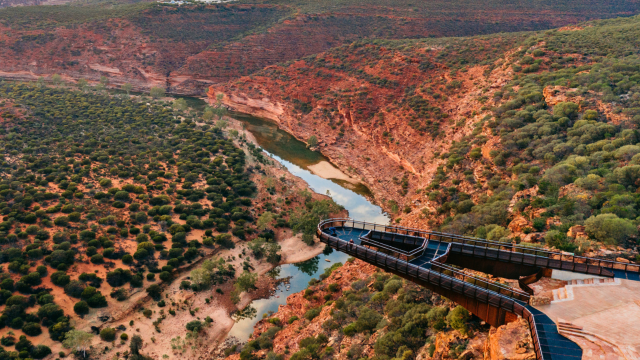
[{"x": 437, "y": 261}]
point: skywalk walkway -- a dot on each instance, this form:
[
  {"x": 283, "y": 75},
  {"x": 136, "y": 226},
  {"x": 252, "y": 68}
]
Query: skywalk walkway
[{"x": 433, "y": 260}]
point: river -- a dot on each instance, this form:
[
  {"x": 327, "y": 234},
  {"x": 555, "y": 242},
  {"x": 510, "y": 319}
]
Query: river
[{"x": 294, "y": 155}]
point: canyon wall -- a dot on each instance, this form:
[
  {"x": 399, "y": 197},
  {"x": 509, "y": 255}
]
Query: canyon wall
[
  {"x": 185, "y": 49},
  {"x": 382, "y": 114}
]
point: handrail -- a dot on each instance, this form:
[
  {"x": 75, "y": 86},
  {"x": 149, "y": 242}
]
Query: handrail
[
  {"x": 487, "y": 244},
  {"x": 435, "y": 263},
  {"x": 535, "y": 337},
  {"x": 443, "y": 258},
  {"x": 390, "y": 248},
  {"x": 486, "y": 284},
  {"x": 439, "y": 279},
  {"x": 349, "y": 248}
]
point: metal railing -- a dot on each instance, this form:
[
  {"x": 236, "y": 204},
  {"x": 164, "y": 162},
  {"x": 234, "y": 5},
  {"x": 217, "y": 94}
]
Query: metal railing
[
  {"x": 442, "y": 280},
  {"x": 442, "y": 258},
  {"x": 535, "y": 337},
  {"x": 409, "y": 255},
  {"x": 395, "y": 238},
  {"x": 438, "y": 265},
  {"x": 503, "y": 251},
  {"x": 483, "y": 283}
]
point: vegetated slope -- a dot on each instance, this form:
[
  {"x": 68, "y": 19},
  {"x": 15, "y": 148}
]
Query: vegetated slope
[
  {"x": 357, "y": 311},
  {"x": 106, "y": 200},
  {"x": 184, "y": 48},
  {"x": 509, "y": 137}
]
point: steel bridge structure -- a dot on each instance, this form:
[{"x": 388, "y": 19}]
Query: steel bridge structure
[{"x": 435, "y": 260}]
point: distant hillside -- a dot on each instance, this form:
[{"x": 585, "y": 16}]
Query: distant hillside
[{"x": 186, "y": 48}]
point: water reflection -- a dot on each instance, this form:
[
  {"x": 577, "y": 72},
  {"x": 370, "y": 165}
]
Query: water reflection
[{"x": 295, "y": 156}]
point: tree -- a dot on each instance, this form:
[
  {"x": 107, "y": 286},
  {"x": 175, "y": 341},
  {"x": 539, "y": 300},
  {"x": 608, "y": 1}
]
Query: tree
[
  {"x": 156, "y": 92},
  {"x": 313, "y": 141},
  {"x": 610, "y": 229},
  {"x": 246, "y": 281},
  {"x": 78, "y": 340},
  {"x": 135, "y": 345},
  {"x": 126, "y": 87},
  {"x": 82, "y": 84},
  {"x": 154, "y": 291},
  {"x": 264, "y": 220},
  {"x": 56, "y": 79}
]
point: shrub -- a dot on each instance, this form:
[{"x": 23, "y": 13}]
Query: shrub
[
  {"x": 50, "y": 313},
  {"x": 565, "y": 109},
  {"x": 367, "y": 320},
  {"x": 194, "y": 325},
  {"x": 97, "y": 259},
  {"x": 108, "y": 334},
  {"x": 74, "y": 288},
  {"x": 350, "y": 330},
  {"x": 40, "y": 351},
  {"x": 155, "y": 291},
  {"x": 312, "y": 313},
  {"x": 118, "y": 277},
  {"x": 457, "y": 319},
  {"x": 609, "y": 228},
  {"x": 124, "y": 337},
  {"x": 127, "y": 259},
  {"x": 81, "y": 308},
  {"x": 32, "y": 329},
  {"x": 165, "y": 276}
]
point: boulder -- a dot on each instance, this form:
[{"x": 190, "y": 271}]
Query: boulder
[
  {"x": 524, "y": 194},
  {"x": 518, "y": 224},
  {"x": 533, "y": 237},
  {"x": 575, "y": 230},
  {"x": 510, "y": 342}
]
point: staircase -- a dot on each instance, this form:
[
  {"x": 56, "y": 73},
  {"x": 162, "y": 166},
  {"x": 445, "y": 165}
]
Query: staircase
[
  {"x": 566, "y": 293},
  {"x": 595, "y": 347}
]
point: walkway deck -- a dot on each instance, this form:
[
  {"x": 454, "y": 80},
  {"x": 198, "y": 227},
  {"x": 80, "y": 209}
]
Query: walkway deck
[{"x": 478, "y": 295}]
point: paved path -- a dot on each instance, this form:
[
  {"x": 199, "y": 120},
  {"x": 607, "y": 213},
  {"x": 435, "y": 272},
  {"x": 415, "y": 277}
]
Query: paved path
[{"x": 611, "y": 311}]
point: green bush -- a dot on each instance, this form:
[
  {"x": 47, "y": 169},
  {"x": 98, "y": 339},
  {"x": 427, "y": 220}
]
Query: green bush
[
  {"x": 457, "y": 319},
  {"x": 312, "y": 313},
  {"x": 195, "y": 325},
  {"x": 610, "y": 229},
  {"x": 350, "y": 330},
  {"x": 81, "y": 308},
  {"x": 108, "y": 334}
]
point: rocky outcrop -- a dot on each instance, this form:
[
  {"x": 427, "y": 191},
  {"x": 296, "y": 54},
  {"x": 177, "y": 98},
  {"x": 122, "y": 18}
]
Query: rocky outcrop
[{"x": 510, "y": 342}]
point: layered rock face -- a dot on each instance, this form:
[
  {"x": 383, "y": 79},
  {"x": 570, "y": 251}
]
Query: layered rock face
[{"x": 382, "y": 114}]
